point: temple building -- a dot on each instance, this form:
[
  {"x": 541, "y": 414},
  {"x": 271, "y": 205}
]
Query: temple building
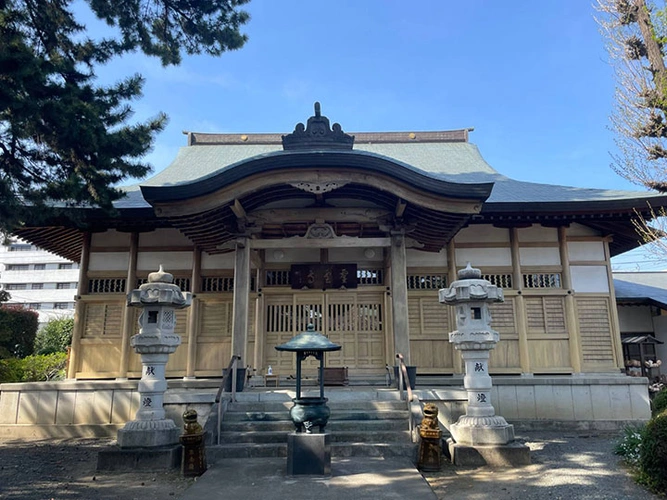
[{"x": 355, "y": 233}]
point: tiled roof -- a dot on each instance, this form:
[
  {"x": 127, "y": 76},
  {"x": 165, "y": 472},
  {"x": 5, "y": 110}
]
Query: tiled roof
[
  {"x": 441, "y": 155},
  {"x": 649, "y": 287}
]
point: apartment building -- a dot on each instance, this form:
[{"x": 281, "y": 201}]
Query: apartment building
[{"x": 38, "y": 279}]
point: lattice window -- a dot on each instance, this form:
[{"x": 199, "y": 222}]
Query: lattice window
[
  {"x": 215, "y": 318},
  {"x": 106, "y": 285},
  {"x": 279, "y": 318},
  {"x": 595, "y": 330},
  {"x": 370, "y": 276},
  {"x": 499, "y": 280},
  {"x": 103, "y": 319},
  {"x": 546, "y": 315},
  {"x": 427, "y": 281},
  {"x": 183, "y": 283},
  {"x": 542, "y": 280},
  {"x": 502, "y": 316},
  {"x": 217, "y": 284},
  {"x": 277, "y": 278}
]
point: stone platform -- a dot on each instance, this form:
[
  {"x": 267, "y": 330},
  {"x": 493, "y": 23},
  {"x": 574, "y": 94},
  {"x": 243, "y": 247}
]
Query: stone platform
[
  {"x": 513, "y": 454},
  {"x": 142, "y": 459}
]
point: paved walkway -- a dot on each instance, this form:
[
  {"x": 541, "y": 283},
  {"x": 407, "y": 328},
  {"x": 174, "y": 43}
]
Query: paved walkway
[{"x": 358, "y": 478}]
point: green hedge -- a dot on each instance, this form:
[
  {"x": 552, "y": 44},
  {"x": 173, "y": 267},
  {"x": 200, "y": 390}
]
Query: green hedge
[
  {"x": 653, "y": 455},
  {"x": 36, "y": 368},
  {"x": 659, "y": 402}
]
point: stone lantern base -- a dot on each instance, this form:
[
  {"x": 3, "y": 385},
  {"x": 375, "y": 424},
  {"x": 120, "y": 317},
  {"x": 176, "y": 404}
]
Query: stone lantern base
[
  {"x": 512, "y": 454},
  {"x": 148, "y": 434},
  {"x": 475, "y": 431}
]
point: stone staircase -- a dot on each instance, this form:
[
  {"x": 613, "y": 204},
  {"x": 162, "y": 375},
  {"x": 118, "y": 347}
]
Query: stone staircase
[{"x": 359, "y": 427}]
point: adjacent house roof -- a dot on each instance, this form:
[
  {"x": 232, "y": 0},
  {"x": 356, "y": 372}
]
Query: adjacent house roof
[{"x": 641, "y": 288}]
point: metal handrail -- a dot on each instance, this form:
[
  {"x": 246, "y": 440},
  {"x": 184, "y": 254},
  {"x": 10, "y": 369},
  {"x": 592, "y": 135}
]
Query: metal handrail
[
  {"x": 403, "y": 375},
  {"x": 231, "y": 372}
]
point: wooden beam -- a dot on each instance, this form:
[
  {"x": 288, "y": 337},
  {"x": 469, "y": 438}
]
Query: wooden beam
[
  {"x": 308, "y": 215},
  {"x": 238, "y": 209},
  {"x": 301, "y": 242},
  {"x": 400, "y": 208}
]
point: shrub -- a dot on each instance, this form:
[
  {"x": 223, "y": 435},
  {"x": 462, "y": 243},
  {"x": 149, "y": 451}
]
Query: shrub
[
  {"x": 36, "y": 368},
  {"x": 659, "y": 402},
  {"x": 11, "y": 370},
  {"x": 653, "y": 455},
  {"x": 18, "y": 327},
  {"x": 630, "y": 444},
  {"x": 56, "y": 336}
]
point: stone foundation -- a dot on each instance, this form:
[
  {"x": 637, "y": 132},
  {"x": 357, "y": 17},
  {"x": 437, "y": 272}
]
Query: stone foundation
[{"x": 98, "y": 409}]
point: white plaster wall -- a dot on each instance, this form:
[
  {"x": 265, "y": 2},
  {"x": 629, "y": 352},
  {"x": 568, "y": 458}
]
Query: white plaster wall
[
  {"x": 356, "y": 254},
  {"x": 164, "y": 237},
  {"x": 293, "y": 255},
  {"x": 483, "y": 233},
  {"x": 660, "y": 329},
  {"x": 109, "y": 261},
  {"x": 218, "y": 261},
  {"x": 590, "y": 279},
  {"x": 536, "y": 233},
  {"x": 585, "y": 251},
  {"x": 479, "y": 257},
  {"x": 635, "y": 319},
  {"x": 581, "y": 230},
  {"x": 417, "y": 258},
  {"x": 110, "y": 238},
  {"x": 171, "y": 261},
  {"x": 547, "y": 256}
]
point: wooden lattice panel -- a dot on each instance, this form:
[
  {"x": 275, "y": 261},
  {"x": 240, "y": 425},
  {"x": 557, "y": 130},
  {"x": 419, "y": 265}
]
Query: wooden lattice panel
[
  {"x": 429, "y": 322},
  {"x": 279, "y": 329},
  {"x": 106, "y": 285},
  {"x": 595, "y": 330},
  {"x": 503, "y": 319},
  {"x": 215, "y": 318},
  {"x": 426, "y": 281},
  {"x": 545, "y": 315},
  {"x": 103, "y": 319},
  {"x": 542, "y": 280}
]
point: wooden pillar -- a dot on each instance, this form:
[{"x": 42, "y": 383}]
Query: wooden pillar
[
  {"x": 80, "y": 309},
  {"x": 613, "y": 312},
  {"x": 193, "y": 317},
  {"x": 128, "y": 317},
  {"x": 399, "y": 294},
  {"x": 519, "y": 303},
  {"x": 457, "y": 361},
  {"x": 241, "y": 299},
  {"x": 570, "y": 305}
]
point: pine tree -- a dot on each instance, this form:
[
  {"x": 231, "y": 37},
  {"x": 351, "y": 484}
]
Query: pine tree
[{"x": 65, "y": 140}]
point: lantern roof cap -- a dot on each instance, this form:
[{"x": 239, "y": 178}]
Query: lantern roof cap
[{"x": 310, "y": 340}]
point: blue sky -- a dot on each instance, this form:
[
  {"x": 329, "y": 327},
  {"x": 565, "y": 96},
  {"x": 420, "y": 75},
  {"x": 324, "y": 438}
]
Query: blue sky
[{"x": 532, "y": 78}]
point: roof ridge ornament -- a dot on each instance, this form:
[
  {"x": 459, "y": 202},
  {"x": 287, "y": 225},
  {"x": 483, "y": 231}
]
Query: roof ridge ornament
[{"x": 317, "y": 134}]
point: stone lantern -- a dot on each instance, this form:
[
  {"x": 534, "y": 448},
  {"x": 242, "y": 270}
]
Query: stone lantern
[
  {"x": 308, "y": 452},
  {"x": 480, "y": 428},
  {"x": 156, "y": 340}
]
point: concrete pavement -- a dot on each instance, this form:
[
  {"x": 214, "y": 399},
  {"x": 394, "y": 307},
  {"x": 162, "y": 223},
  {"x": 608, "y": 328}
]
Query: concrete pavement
[{"x": 358, "y": 478}]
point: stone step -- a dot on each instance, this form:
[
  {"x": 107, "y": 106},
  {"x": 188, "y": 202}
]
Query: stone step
[
  {"x": 264, "y": 437},
  {"x": 333, "y": 425},
  {"x": 266, "y": 416},
  {"x": 344, "y": 449},
  {"x": 271, "y": 406}
]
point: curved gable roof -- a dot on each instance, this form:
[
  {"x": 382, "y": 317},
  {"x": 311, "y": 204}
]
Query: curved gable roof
[{"x": 178, "y": 181}]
